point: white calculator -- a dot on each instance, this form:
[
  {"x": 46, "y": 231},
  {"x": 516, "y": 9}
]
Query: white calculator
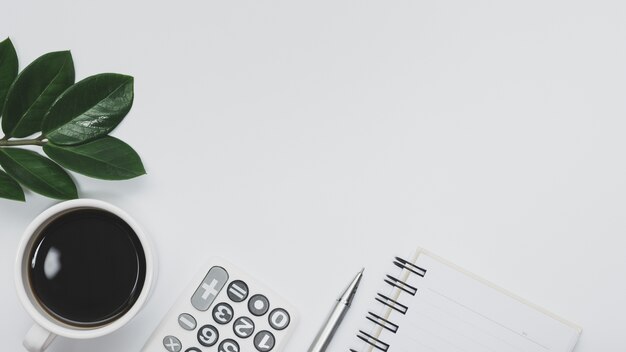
[{"x": 224, "y": 310}]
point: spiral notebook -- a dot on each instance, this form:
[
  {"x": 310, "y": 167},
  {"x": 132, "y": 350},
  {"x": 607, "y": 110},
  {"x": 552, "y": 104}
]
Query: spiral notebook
[{"x": 431, "y": 305}]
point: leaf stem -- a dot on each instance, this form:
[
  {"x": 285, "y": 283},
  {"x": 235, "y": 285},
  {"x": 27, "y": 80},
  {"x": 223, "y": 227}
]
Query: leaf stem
[{"x": 8, "y": 143}]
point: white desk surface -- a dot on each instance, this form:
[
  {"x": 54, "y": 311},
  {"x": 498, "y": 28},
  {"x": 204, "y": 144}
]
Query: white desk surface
[{"x": 305, "y": 140}]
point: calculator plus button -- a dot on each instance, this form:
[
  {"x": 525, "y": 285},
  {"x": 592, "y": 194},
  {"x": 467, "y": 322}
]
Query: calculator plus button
[
  {"x": 208, "y": 335},
  {"x": 187, "y": 321},
  {"x": 279, "y": 319},
  {"x": 243, "y": 327},
  {"x": 172, "y": 344},
  {"x": 264, "y": 341},
  {"x": 210, "y": 287},
  {"x": 238, "y": 291},
  {"x": 258, "y": 305},
  {"x": 229, "y": 345},
  {"x": 223, "y": 313}
]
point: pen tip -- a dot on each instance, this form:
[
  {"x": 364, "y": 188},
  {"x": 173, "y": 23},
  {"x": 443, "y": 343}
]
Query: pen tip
[{"x": 350, "y": 291}]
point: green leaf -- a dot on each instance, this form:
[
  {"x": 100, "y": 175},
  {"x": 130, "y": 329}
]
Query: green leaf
[
  {"x": 10, "y": 189},
  {"x": 89, "y": 109},
  {"x": 34, "y": 91},
  {"x": 106, "y": 158},
  {"x": 38, "y": 173},
  {"x": 8, "y": 68}
]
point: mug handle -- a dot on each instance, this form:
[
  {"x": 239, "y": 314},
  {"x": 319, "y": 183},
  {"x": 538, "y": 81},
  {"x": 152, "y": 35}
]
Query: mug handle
[{"x": 38, "y": 339}]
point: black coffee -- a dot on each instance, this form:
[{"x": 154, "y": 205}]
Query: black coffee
[{"x": 87, "y": 267}]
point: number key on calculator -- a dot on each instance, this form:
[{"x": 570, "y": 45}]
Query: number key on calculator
[{"x": 224, "y": 310}]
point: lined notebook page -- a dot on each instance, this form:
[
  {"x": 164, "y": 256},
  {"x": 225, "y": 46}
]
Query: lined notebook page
[{"x": 454, "y": 311}]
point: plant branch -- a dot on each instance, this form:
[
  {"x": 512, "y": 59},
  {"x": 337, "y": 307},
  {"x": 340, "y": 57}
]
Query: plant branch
[{"x": 8, "y": 143}]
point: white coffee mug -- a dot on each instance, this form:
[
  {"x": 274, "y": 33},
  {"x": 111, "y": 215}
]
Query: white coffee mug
[{"x": 46, "y": 327}]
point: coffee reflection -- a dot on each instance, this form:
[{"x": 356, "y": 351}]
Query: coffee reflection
[{"x": 52, "y": 263}]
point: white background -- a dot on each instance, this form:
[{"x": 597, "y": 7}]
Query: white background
[{"x": 303, "y": 140}]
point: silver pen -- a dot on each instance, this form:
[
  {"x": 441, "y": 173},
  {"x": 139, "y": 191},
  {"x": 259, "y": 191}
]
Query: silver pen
[{"x": 336, "y": 316}]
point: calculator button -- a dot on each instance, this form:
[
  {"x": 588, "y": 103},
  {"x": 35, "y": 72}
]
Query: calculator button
[
  {"x": 193, "y": 349},
  {"x": 264, "y": 341},
  {"x": 243, "y": 327},
  {"x": 172, "y": 344},
  {"x": 223, "y": 313},
  {"x": 279, "y": 319},
  {"x": 208, "y": 335},
  {"x": 258, "y": 305},
  {"x": 229, "y": 345},
  {"x": 187, "y": 321},
  {"x": 238, "y": 291},
  {"x": 210, "y": 287}
]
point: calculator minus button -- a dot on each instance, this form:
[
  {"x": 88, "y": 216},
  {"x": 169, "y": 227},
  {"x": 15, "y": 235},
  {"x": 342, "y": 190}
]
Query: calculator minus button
[
  {"x": 210, "y": 287},
  {"x": 187, "y": 321}
]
